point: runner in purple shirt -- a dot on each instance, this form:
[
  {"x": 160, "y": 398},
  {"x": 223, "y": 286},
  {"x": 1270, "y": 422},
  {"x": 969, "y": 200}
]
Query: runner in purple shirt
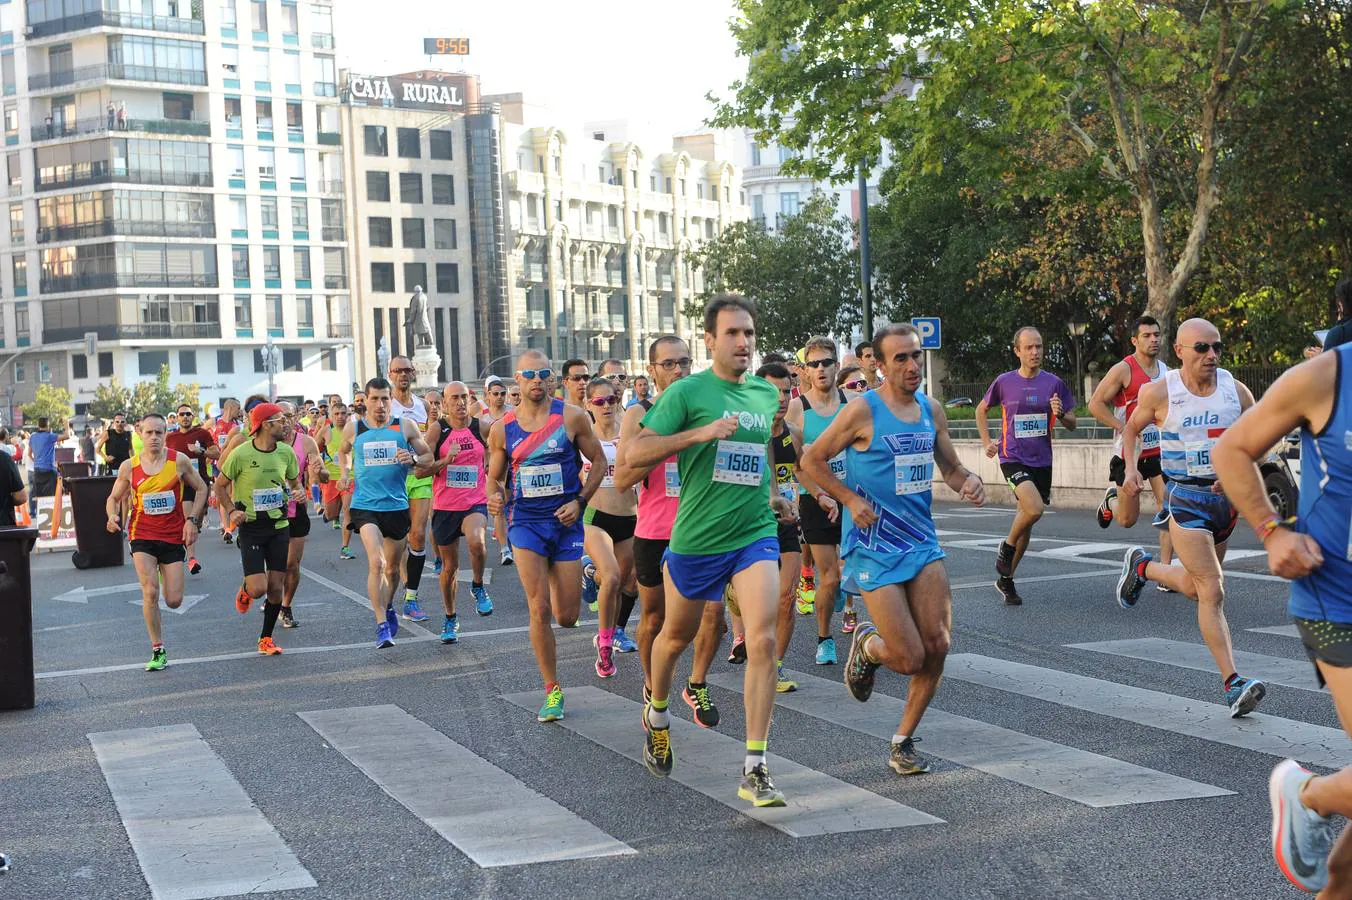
[{"x": 1031, "y": 401}]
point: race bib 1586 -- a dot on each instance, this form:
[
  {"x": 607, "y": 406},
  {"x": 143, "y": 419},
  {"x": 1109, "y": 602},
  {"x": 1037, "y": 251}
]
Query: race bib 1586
[{"x": 739, "y": 462}]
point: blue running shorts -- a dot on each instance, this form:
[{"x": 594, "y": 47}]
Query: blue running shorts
[{"x": 699, "y": 577}]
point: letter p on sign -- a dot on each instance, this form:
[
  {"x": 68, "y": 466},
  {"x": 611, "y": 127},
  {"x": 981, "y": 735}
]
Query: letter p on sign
[{"x": 931, "y": 335}]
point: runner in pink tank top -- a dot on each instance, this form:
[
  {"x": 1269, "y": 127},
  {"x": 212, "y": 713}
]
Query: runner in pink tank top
[{"x": 312, "y": 472}]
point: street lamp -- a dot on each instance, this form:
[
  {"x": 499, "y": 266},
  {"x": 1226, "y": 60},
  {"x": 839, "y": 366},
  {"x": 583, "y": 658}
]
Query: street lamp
[
  {"x": 1077, "y": 330},
  {"x": 270, "y": 359}
]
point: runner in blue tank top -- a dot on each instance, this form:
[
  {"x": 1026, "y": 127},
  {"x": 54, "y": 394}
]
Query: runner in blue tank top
[
  {"x": 374, "y": 457},
  {"x": 1316, "y": 551},
  {"x": 540, "y": 440},
  {"x": 892, "y": 437}
]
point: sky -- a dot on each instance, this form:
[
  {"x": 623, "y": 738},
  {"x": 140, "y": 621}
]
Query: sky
[{"x": 591, "y": 60}]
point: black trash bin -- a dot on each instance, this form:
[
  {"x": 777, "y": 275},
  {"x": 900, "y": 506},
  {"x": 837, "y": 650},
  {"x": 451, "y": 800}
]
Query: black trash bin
[
  {"x": 95, "y": 546},
  {"x": 16, "y": 618},
  {"x": 71, "y": 470}
]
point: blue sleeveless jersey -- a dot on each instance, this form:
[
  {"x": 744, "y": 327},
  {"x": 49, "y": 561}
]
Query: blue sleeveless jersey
[
  {"x": 378, "y": 476},
  {"x": 894, "y": 475},
  {"x": 545, "y": 472},
  {"x": 1326, "y": 507}
]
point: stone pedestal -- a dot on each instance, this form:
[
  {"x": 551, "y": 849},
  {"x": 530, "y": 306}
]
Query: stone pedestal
[{"x": 427, "y": 361}]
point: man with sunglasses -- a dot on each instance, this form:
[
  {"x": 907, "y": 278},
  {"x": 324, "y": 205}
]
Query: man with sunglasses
[
  {"x": 404, "y": 406},
  {"x": 541, "y": 441},
  {"x": 811, "y": 412},
  {"x": 513, "y": 395},
  {"x": 1192, "y": 407},
  {"x": 495, "y": 407},
  {"x": 613, "y": 371},
  {"x": 575, "y": 378},
  {"x": 195, "y": 442},
  {"x": 1031, "y": 402}
]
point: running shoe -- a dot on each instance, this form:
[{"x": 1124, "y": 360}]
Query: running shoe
[
  {"x": 849, "y": 620},
  {"x": 384, "y": 637},
  {"x": 392, "y": 620},
  {"x": 228, "y": 537},
  {"x": 552, "y": 711},
  {"x": 288, "y": 620},
  {"x": 412, "y": 611},
  {"x": 605, "y": 658},
  {"x": 859, "y": 671},
  {"x": 268, "y": 648},
  {"x": 335, "y": 524},
  {"x": 1004, "y": 586},
  {"x": 436, "y": 565},
  {"x": 194, "y": 566},
  {"x": 657, "y": 755},
  {"x": 757, "y": 787},
  {"x": 738, "y": 654},
  {"x": 590, "y": 589},
  {"x": 346, "y": 553},
  {"x": 450, "y": 630},
  {"x": 826, "y": 652},
  {"x": 697, "y": 698},
  {"x": 783, "y": 684},
  {"x": 242, "y": 601},
  {"x": 1165, "y": 589},
  {"x": 623, "y": 643},
  {"x": 158, "y": 660},
  {"x": 1133, "y": 580},
  {"x": 1301, "y": 838},
  {"x": 807, "y": 596},
  {"x": 1243, "y": 695},
  {"x": 1004, "y": 562},
  {"x": 507, "y": 557},
  {"x": 904, "y": 760},
  {"x": 1105, "y": 510},
  {"x": 483, "y": 604}
]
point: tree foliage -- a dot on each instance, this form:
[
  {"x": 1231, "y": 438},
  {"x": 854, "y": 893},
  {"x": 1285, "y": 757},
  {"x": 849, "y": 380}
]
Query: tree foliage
[
  {"x": 52, "y": 403},
  {"x": 802, "y": 277},
  {"x": 144, "y": 397},
  {"x": 110, "y": 398}
]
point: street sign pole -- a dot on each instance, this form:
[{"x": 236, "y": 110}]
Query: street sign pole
[{"x": 930, "y": 329}]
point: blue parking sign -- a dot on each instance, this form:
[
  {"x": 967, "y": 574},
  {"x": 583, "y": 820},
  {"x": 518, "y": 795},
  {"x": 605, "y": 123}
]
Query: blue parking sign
[{"x": 931, "y": 335}]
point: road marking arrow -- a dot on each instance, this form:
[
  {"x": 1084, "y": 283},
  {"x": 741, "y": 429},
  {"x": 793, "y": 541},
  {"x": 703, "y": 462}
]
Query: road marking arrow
[
  {"x": 82, "y": 594},
  {"x": 189, "y": 601}
]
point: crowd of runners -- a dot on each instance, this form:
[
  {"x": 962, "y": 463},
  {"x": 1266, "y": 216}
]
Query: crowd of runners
[{"x": 802, "y": 487}]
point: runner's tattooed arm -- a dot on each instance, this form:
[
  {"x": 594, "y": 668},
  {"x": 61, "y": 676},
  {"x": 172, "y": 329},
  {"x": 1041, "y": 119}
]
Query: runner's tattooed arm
[
  {"x": 852, "y": 427},
  {"x": 959, "y": 478}
]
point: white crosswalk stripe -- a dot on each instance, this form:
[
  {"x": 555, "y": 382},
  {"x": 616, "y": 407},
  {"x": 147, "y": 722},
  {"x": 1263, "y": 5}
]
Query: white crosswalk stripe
[
  {"x": 195, "y": 831},
  {"x": 1296, "y": 673},
  {"x": 711, "y": 763},
  {"x": 468, "y": 810},
  {"x": 1279, "y": 630},
  {"x": 1078, "y": 775},
  {"x": 1272, "y": 735}
]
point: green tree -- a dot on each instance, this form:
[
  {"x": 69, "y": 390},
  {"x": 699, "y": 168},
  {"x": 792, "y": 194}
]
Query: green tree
[
  {"x": 802, "y": 277},
  {"x": 1144, "y": 91},
  {"x": 51, "y": 403},
  {"x": 110, "y": 398},
  {"x": 157, "y": 396}
]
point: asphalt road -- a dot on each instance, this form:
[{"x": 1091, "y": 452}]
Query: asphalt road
[{"x": 1022, "y": 811}]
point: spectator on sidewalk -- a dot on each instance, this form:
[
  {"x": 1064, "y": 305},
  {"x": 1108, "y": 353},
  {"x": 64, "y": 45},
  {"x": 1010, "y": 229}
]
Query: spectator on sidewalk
[
  {"x": 1342, "y": 332},
  {"x": 42, "y": 449}
]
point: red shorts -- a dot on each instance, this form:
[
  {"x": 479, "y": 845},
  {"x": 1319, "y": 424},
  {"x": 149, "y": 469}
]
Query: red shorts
[{"x": 329, "y": 492}]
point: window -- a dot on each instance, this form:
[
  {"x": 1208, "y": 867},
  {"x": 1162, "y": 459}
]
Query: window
[
  {"x": 758, "y": 209},
  {"x": 755, "y": 154},
  {"x": 239, "y": 262},
  {"x": 411, "y": 187},
  {"x": 448, "y": 278},
  {"x": 443, "y": 190},
  {"x": 268, "y": 207},
  {"x": 267, "y": 163},
  {"x": 382, "y": 277},
  {"x": 13, "y": 169},
  {"x": 785, "y": 154},
  {"x": 230, "y": 59},
  {"x": 378, "y": 187},
  {"x": 178, "y": 107},
  {"x": 699, "y": 190},
  {"x": 443, "y": 234},
  {"x": 79, "y": 365},
  {"x": 376, "y": 141},
  {"x": 148, "y": 362},
  {"x": 272, "y": 262},
  {"x": 105, "y": 365},
  {"x": 225, "y": 362},
  {"x": 7, "y": 68},
  {"x": 381, "y": 231},
  {"x": 187, "y": 362},
  {"x": 788, "y": 203},
  {"x": 290, "y": 19},
  {"x": 652, "y": 183},
  {"x": 305, "y": 312},
  {"x": 235, "y": 155},
  {"x": 259, "y": 14},
  {"x": 262, "y": 64},
  {"x": 44, "y": 371},
  {"x": 667, "y": 184},
  {"x": 11, "y": 119},
  {"x": 439, "y": 144},
  {"x": 263, "y": 115},
  {"x": 243, "y": 312},
  {"x": 291, "y": 359},
  {"x": 296, "y": 166},
  {"x": 328, "y": 359},
  {"x": 229, "y": 18},
  {"x": 21, "y": 320},
  {"x": 410, "y": 143},
  {"x": 415, "y": 276},
  {"x": 258, "y": 361},
  {"x": 295, "y": 119},
  {"x": 19, "y": 374},
  {"x": 16, "y": 223},
  {"x": 302, "y": 260},
  {"x": 300, "y": 214},
  {"x": 273, "y": 303},
  {"x": 414, "y": 234},
  {"x": 21, "y": 277}
]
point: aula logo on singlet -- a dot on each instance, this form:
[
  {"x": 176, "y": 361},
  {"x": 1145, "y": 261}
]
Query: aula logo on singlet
[
  {"x": 1201, "y": 420},
  {"x": 914, "y": 442},
  {"x": 748, "y": 420}
]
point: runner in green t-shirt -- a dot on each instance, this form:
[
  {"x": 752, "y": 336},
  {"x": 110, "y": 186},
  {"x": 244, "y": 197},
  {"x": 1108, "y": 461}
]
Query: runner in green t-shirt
[
  {"x": 257, "y": 481},
  {"x": 718, "y": 424}
]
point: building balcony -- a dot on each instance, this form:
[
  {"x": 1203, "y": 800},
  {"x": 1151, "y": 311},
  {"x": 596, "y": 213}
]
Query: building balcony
[
  {"x": 335, "y": 282},
  {"x": 536, "y": 320},
  {"x": 333, "y": 233},
  {"x": 331, "y": 138},
  {"x": 92, "y": 281},
  {"x": 44, "y": 81},
  {"x": 111, "y": 19},
  {"x": 321, "y": 41},
  {"x": 169, "y": 331},
  {"x": 334, "y": 188},
  {"x": 340, "y": 331},
  {"x": 126, "y": 228},
  {"x": 760, "y": 173},
  {"x": 132, "y": 176},
  {"x": 100, "y": 125}
]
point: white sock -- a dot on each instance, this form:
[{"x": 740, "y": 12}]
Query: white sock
[
  {"x": 899, "y": 738},
  {"x": 752, "y": 760},
  {"x": 659, "y": 718}
]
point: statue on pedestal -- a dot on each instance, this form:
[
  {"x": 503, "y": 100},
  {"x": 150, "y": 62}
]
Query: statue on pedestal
[{"x": 418, "y": 323}]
